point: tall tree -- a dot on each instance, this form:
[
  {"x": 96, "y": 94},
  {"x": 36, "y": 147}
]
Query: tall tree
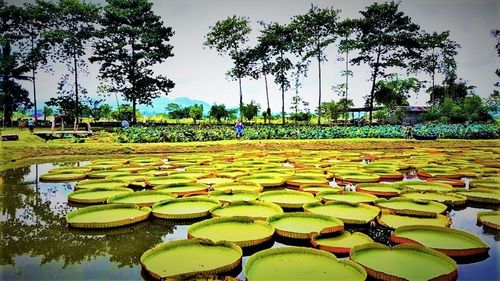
[
  {"x": 228, "y": 37},
  {"x": 395, "y": 91},
  {"x": 66, "y": 100},
  {"x": 218, "y": 111},
  {"x": 35, "y": 19},
  {"x": 131, "y": 41},
  {"x": 279, "y": 40},
  {"x": 385, "y": 37},
  {"x": 196, "y": 112},
  {"x": 250, "y": 110},
  {"x": 73, "y": 28},
  {"x": 316, "y": 30}
]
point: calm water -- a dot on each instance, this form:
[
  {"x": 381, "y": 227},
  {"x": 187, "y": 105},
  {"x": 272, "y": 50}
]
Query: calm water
[{"x": 37, "y": 244}]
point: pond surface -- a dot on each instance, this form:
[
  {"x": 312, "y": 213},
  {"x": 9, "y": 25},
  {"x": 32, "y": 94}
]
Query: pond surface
[{"x": 37, "y": 243}]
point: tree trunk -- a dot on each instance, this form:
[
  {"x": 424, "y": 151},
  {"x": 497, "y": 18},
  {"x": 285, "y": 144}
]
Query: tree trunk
[
  {"x": 319, "y": 88},
  {"x": 33, "y": 73},
  {"x": 374, "y": 78},
  {"x": 134, "y": 118},
  {"x": 282, "y": 103},
  {"x": 267, "y": 97},
  {"x": 77, "y": 108},
  {"x": 241, "y": 100},
  {"x": 346, "y": 116}
]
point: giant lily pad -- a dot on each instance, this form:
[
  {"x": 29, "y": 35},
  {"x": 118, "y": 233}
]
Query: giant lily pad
[
  {"x": 264, "y": 181},
  {"x": 482, "y": 195},
  {"x": 346, "y": 196},
  {"x": 299, "y": 263},
  {"x": 490, "y": 219},
  {"x": 299, "y": 180},
  {"x": 379, "y": 189},
  {"x": 100, "y": 183},
  {"x": 485, "y": 184},
  {"x": 184, "y": 208},
  {"x": 96, "y": 195},
  {"x": 357, "y": 177},
  {"x": 395, "y": 221},
  {"x": 70, "y": 170},
  {"x": 341, "y": 243},
  {"x": 288, "y": 198},
  {"x": 445, "y": 198},
  {"x": 404, "y": 262},
  {"x": 106, "y": 173},
  {"x": 238, "y": 186},
  {"x": 253, "y": 209},
  {"x": 425, "y": 185},
  {"x": 212, "y": 181},
  {"x": 158, "y": 261},
  {"x": 412, "y": 207},
  {"x": 451, "y": 242},
  {"x": 315, "y": 188},
  {"x": 302, "y": 225},
  {"x": 169, "y": 180},
  {"x": 182, "y": 188},
  {"x": 228, "y": 196},
  {"x": 349, "y": 213},
  {"x": 243, "y": 231},
  {"x": 141, "y": 198},
  {"x": 105, "y": 216},
  {"x": 63, "y": 177}
]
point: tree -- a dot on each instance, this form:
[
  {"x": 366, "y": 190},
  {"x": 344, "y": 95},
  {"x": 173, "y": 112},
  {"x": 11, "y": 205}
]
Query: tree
[
  {"x": 453, "y": 89},
  {"x": 66, "y": 99},
  {"x": 228, "y": 37},
  {"x": 316, "y": 31},
  {"x": 123, "y": 112},
  {"x": 332, "y": 109},
  {"x": 496, "y": 33},
  {"x": 385, "y": 38},
  {"x": 131, "y": 41},
  {"x": 47, "y": 111},
  {"x": 96, "y": 109},
  {"x": 35, "y": 19},
  {"x": 176, "y": 111},
  {"x": 395, "y": 92},
  {"x": 73, "y": 28},
  {"x": 218, "y": 111},
  {"x": 279, "y": 40},
  {"x": 196, "y": 112},
  {"x": 251, "y": 110}
]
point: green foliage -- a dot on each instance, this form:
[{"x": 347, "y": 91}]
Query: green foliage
[
  {"x": 250, "y": 110},
  {"x": 219, "y": 112},
  {"x": 66, "y": 101},
  {"x": 132, "y": 40},
  {"x": 47, "y": 111},
  {"x": 187, "y": 133},
  {"x": 176, "y": 111},
  {"x": 196, "y": 112},
  {"x": 469, "y": 109},
  {"x": 395, "y": 92},
  {"x": 97, "y": 109},
  {"x": 124, "y": 112}
]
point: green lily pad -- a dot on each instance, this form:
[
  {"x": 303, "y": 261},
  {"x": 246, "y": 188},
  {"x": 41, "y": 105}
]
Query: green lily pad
[
  {"x": 481, "y": 195},
  {"x": 288, "y": 198},
  {"x": 184, "y": 208},
  {"x": 490, "y": 219},
  {"x": 141, "y": 198},
  {"x": 341, "y": 243},
  {"x": 106, "y": 173},
  {"x": 253, "y": 209},
  {"x": 158, "y": 261},
  {"x": 445, "y": 198},
  {"x": 412, "y": 207},
  {"x": 243, "y": 231},
  {"x": 106, "y": 216},
  {"x": 424, "y": 185},
  {"x": 96, "y": 195},
  {"x": 70, "y": 170},
  {"x": 299, "y": 180},
  {"x": 395, "y": 221},
  {"x": 399, "y": 262},
  {"x": 238, "y": 186},
  {"x": 212, "y": 181},
  {"x": 264, "y": 181},
  {"x": 228, "y": 196},
  {"x": 169, "y": 180},
  {"x": 302, "y": 225},
  {"x": 62, "y": 177},
  {"x": 299, "y": 263},
  {"x": 182, "y": 188},
  {"x": 451, "y": 242},
  {"x": 100, "y": 183},
  {"x": 314, "y": 188},
  {"x": 485, "y": 184},
  {"x": 349, "y": 213},
  {"x": 379, "y": 189},
  {"x": 346, "y": 196},
  {"x": 357, "y": 177}
]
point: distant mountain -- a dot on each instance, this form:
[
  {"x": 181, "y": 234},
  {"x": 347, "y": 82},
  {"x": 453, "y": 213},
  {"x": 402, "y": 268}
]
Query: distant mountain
[{"x": 160, "y": 104}]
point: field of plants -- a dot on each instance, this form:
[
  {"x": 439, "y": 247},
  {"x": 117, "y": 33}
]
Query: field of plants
[{"x": 187, "y": 133}]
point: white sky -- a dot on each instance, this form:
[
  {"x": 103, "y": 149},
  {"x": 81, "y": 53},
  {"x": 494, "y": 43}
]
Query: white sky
[{"x": 200, "y": 73}]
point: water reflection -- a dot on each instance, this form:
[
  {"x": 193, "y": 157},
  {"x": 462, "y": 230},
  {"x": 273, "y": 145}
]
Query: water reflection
[{"x": 38, "y": 244}]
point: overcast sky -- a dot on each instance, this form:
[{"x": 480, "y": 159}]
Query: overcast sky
[{"x": 199, "y": 73}]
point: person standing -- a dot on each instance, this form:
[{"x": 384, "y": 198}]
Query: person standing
[
  {"x": 239, "y": 129},
  {"x": 31, "y": 125},
  {"x": 125, "y": 124}
]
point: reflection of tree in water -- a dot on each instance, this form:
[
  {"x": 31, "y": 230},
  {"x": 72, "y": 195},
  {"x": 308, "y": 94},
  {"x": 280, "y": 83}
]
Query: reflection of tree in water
[{"x": 39, "y": 230}]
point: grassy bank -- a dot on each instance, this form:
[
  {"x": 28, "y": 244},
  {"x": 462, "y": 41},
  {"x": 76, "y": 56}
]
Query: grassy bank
[{"x": 31, "y": 148}]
